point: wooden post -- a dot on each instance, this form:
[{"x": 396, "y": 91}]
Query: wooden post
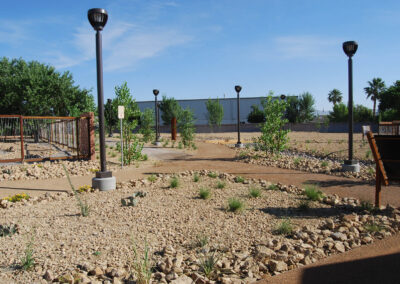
[
  {"x": 173, "y": 128},
  {"x": 21, "y": 130}
]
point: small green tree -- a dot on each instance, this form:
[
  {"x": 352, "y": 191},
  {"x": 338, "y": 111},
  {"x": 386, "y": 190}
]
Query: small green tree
[
  {"x": 110, "y": 116},
  {"x": 147, "y": 125},
  {"x": 215, "y": 112},
  {"x": 186, "y": 127},
  {"x": 132, "y": 148},
  {"x": 273, "y": 137},
  {"x": 170, "y": 108},
  {"x": 256, "y": 115}
]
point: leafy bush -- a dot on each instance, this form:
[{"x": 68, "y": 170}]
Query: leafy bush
[
  {"x": 212, "y": 174},
  {"x": 256, "y": 115},
  {"x": 273, "y": 137},
  {"x": 235, "y": 205},
  {"x": 186, "y": 127},
  {"x": 17, "y": 197},
  {"x": 196, "y": 177},
  {"x": 239, "y": 179},
  {"x": 152, "y": 178},
  {"x": 221, "y": 184},
  {"x": 204, "y": 193},
  {"x": 215, "y": 112},
  {"x": 373, "y": 227},
  {"x": 85, "y": 188},
  {"x": 273, "y": 187},
  {"x": 147, "y": 125},
  {"x": 169, "y": 108},
  {"x": 208, "y": 264}
]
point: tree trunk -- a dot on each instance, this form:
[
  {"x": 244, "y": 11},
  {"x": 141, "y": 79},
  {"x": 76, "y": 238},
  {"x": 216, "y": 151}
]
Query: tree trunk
[{"x": 373, "y": 111}]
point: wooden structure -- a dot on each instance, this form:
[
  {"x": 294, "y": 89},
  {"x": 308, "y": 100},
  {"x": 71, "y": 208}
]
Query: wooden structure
[
  {"x": 389, "y": 127},
  {"x": 386, "y": 152},
  {"x": 73, "y": 136}
]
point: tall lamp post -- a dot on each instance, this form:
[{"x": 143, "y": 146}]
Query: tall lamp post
[
  {"x": 239, "y": 143},
  {"x": 350, "y": 48},
  {"x": 104, "y": 179},
  {"x": 156, "y": 92}
]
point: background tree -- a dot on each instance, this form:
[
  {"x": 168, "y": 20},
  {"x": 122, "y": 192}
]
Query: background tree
[
  {"x": 215, "y": 112},
  {"x": 339, "y": 113},
  {"x": 170, "y": 108},
  {"x": 33, "y": 88},
  {"x": 374, "y": 91},
  {"x": 186, "y": 127},
  {"x": 147, "y": 125},
  {"x": 256, "y": 115},
  {"x": 292, "y": 112},
  {"x": 132, "y": 148},
  {"x": 335, "y": 96},
  {"x": 306, "y": 107},
  {"x": 110, "y": 116},
  {"x": 273, "y": 137},
  {"x": 389, "y": 105}
]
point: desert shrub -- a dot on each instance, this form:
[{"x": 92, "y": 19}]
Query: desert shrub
[
  {"x": 208, "y": 264},
  {"x": 273, "y": 137},
  {"x": 215, "y": 112},
  {"x": 297, "y": 161},
  {"x": 284, "y": 228},
  {"x": 28, "y": 260},
  {"x": 367, "y": 206},
  {"x": 273, "y": 187},
  {"x": 313, "y": 193},
  {"x": 373, "y": 227},
  {"x": 304, "y": 205},
  {"x": 324, "y": 164},
  {"x": 147, "y": 125},
  {"x": 201, "y": 240},
  {"x": 85, "y": 188},
  {"x": 212, "y": 174},
  {"x": 254, "y": 192},
  {"x": 83, "y": 206},
  {"x": 235, "y": 205},
  {"x": 186, "y": 127},
  {"x": 152, "y": 178},
  {"x": 239, "y": 179},
  {"x": 174, "y": 183},
  {"x": 221, "y": 184},
  {"x": 196, "y": 177},
  {"x": 141, "y": 266},
  {"x": 17, "y": 197},
  {"x": 8, "y": 230},
  {"x": 204, "y": 193}
]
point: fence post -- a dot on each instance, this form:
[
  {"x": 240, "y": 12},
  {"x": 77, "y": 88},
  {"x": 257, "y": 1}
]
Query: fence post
[
  {"x": 173, "y": 128},
  {"x": 87, "y": 141},
  {"x": 21, "y": 130}
]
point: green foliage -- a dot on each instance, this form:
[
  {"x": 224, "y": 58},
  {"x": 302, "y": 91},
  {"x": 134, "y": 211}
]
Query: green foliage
[
  {"x": 221, "y": 184},
  {"x": 152, "y": 178},
  {"x": 169, "y": 108},
  {"x": 362, "y": 114},
  {"x": 284, "y": 228},
  {"x": 254, "y": 192},
  {"x": 215, "y": 112},
  {"x": 235, "y": 205},
  {"x": 300, "y": 109},
  {"x": 174, "y": 183},
  {"x": 313, "y": 192},
  {"x": 97, "y": 253},
  {"x": 373, "y": 227},
  {"x": 335, "y": 96},
  {"x": 339, "y": 113},
  {"x": 324, "y": 164},
  {"x": 256, "y": 115},
  {"x": 367, "y": 206},
  {"x": 374, "y": 90},
  {"x": 147, "y": 125},
  {"x": 132, "y": 147},
  {"x": 111, "y": 116},
  {"x": 297, "y": 161},
  {"x": 33, "y": 88},
  {"x": 204, "y": 193},
  {"x": 273, "y": 137},
  {"x": 389, "y": 102},
  {"x": 239, "y": 179},
  {"x": 28, "y": 260},
  {"x": 83, "y": 206},
  {"x": 186, "y": 127},
  {"x": 208, "y": 264},
  {"x": 212, "y": 174},
  {"x": 201, "y": 241},
  {"x": 196, "y": 177},
  {"x": 273, "y": 187},
  {"x": 8, "y": 230},
  {"x": 141, "y": 266}
]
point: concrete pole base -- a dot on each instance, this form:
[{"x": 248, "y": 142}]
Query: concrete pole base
[
  {"x": 239, "y": 145},
  {"x": 351, "y": 167},
  {"x": 104, "y": 184}
]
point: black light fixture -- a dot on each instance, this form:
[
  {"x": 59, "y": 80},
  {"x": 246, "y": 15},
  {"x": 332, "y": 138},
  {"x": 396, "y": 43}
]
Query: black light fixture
[
  {"x": 350, "y": 48},
  {"x": 104, "y": 179},
  {"x": 155, "y": 93},
  {"x": 283, "y": 97},
  {"x": 239, "y": 143}
]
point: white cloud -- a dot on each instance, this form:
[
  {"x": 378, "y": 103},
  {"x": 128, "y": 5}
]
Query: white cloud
[{"x": 291, "y": 47}]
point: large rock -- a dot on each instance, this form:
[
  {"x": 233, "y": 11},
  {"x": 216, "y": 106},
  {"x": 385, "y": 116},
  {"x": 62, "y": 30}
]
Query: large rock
[
  {"x": 277, "y": 266},
  {"x": 183, "y": 279},
  {"x": 263, "y": 252}
]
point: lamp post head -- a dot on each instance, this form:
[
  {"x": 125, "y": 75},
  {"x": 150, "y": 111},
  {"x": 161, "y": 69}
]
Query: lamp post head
[
  {"x": 156, "y": 92},
  {"x": 97, "y": 18},
  {"x": 283, "y": 97},
  {"x": 350, "y": 48},
  {"x": 238, "y": 88},
  {"x": 109, "y": 101}
]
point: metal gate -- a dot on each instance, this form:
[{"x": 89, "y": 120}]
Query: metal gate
[{"x": 40, "y": 138}]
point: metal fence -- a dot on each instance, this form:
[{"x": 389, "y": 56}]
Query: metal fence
[{"x": 39, "y": 138}]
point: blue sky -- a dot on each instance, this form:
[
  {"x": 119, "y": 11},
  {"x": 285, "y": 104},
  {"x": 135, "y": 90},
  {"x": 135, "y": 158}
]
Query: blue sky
[{"x": 202, "y": 48}]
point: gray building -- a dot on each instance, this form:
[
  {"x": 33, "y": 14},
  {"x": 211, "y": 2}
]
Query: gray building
[{"x": 198, "y": 106}]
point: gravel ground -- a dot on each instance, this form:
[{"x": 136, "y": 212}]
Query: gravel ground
[
  {"x": 305, "y": 162},
  {"x": 172, "y": 221}
]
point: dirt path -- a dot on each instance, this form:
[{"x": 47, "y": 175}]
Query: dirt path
[{"x": 220, "y": 158}]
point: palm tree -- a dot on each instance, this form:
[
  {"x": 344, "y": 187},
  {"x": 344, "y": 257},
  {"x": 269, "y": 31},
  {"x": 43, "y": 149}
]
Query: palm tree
[
  {"x": 335, "y": 96},
  {"x": 374, "y": 90}
]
